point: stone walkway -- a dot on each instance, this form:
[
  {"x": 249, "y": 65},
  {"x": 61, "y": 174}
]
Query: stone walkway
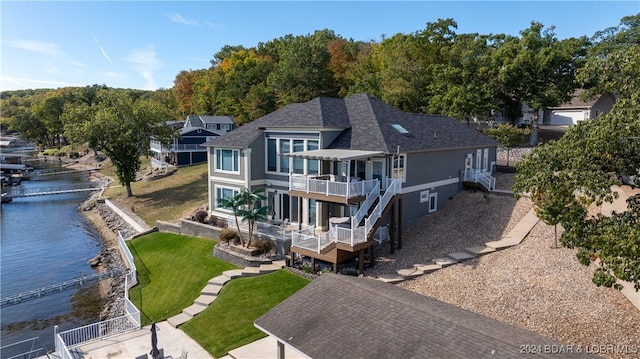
[
  {"x": 210, "y": 292},
  {"x": 514, "y": 237}
]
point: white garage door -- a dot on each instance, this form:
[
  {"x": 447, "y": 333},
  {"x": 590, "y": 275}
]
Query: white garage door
[{"x": 566, "y": 117}]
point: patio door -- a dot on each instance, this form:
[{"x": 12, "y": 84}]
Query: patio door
[
  {"x": 376, "y": 171},
  {"x": 279, "y": 205}
]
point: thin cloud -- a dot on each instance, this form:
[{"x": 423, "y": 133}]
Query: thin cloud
[
  {"x": 145, "y": 64},
  {"x": 217, "y": 26},
  {"x": 40, "y": 47},
  {"x": 104, "y": 53},
  {"x": 177, "y": 18}
]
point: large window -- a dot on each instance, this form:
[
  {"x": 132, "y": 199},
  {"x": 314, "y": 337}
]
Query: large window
[
  {"x": 227, "y": 160},
  {"x": 285, "y": 164},
  {"x": 224, "y": 193}
]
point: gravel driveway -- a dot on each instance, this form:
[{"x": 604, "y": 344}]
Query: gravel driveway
[{"x": 532, "y": 285}]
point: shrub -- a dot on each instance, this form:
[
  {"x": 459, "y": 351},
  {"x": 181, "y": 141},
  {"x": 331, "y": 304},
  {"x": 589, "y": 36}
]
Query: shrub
[
  {"x": 74, "y": 155},
  {"x": 200, "y": 216},
  {"x": 263, "y": 245},
  {"x": 100, "y": 157},
  {"x": 227, "y": 235}
]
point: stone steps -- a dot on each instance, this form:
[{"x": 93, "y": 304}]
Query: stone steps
[
  {"x": 210, "y": 292},
  {"x": 514, "y": 237}
]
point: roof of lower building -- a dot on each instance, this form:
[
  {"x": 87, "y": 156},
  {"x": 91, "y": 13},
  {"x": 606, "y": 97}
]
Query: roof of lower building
[
  {"x": 367, "y": 124},
  {"x": 338, "y": 316}
]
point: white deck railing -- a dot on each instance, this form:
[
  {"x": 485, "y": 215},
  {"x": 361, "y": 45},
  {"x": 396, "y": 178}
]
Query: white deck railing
[
  {"x": 108, "y": 328},
  {"x": 315, "y": 184},
  {"x": 275, "y": 231},
  {"x": 176, "y": 147},
  {"x": 350, "y": 236},
  {"x": 480, "y": 176}
]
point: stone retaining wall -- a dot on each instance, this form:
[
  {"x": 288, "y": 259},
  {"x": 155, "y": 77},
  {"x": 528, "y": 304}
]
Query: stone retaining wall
[
  {"x": 190, "y": 228},
  {"x": 237, "y": 259}
]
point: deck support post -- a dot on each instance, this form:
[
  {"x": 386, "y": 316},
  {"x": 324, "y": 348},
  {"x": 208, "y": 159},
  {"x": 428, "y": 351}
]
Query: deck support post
[
  {"x": 399, "y": 218},
  {"x": 361, "y": 261}
]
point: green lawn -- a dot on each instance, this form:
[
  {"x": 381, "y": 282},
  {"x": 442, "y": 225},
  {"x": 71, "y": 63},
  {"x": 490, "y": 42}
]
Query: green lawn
[
  {"x": 172, "y": 270},
  {"x": 228, "y": 322}
]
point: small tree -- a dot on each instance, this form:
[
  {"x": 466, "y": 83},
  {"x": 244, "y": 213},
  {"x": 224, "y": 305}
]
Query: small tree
[
  {"x": 509, "y": 136},
  {"x": 251, "y": 211},
  {"x": 234, "y": 203},
  {"x": 246, "y": 204}
]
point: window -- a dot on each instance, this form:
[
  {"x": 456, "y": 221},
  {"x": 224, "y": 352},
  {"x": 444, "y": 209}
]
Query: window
[
  {"x": 272, "y": 155},
  {"x": 298, "y": 163},
  {"x": 285, "y": 147},
  {"x": 227, "y": 160},
  {"x": 433, "y": 202},
  {"x": 313, "y": 165},
  {"x": 224, "y": 193},
  {"x": 275, "y": 162},
  {"x": 401, "y": 130},
  {"x": 399, "y": 170}
]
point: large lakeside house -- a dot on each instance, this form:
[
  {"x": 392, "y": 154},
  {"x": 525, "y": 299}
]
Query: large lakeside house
[{"x": 347, "y": 167}]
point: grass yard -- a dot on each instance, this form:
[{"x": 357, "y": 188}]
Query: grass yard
[
  {"x": 172, "y": 270},
  {"x": 166, "y": 199},
  {"x": 228, "y": 322}
]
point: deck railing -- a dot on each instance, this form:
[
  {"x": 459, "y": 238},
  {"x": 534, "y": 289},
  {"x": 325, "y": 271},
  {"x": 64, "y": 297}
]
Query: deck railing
[
  {"x": 108, "y": 328},
  {"x": 350, "y": 236},
  {"x": 480, "y": 176},
  {"x": 156, "y": 146},
  {"x": 315, "y": 184},
  {"x": 275, "y": 231}
]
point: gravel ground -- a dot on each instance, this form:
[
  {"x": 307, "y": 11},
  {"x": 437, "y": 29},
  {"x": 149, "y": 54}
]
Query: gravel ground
[{"x": 532, "y": 285}]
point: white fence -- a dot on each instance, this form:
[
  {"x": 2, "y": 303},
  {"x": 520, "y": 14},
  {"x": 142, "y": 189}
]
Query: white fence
[
  {"x": 309, "y": 184},
  {"x": 278, "y": 232},
  {"x": 479, "y": 176},
  {"x": 108, "y": 328},
  {"x": 350, "y": 236}
]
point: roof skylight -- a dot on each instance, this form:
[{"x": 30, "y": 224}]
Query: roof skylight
[{"x": 400, "y": 129}]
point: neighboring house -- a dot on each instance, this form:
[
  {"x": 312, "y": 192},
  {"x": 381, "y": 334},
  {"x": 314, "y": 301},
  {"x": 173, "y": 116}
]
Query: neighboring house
[
  {"x": 186, "y": 148},
  {"x": 577, "y": 110},
  {"x": 340, "y": 316},
  {"x": 566, "y": 114},
  {"x": 347, "y": 167}
]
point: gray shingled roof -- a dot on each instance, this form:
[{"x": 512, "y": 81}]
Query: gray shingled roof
[
  {"x": 337, "y": 316},
  {"x": 366, "y": 125}
]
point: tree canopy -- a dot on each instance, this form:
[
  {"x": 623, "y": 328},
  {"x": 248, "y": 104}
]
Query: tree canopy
[
  {"x": 121, "y": 126},
  {"x": 569, "y": 179}
]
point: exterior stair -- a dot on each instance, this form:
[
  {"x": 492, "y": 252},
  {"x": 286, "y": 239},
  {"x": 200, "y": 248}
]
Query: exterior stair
[
  {"x": 514, "y": 237},
  {"x": 210, "y": 292}
]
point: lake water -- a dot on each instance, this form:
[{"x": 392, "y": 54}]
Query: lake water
[{"x": 44, "y": 240}]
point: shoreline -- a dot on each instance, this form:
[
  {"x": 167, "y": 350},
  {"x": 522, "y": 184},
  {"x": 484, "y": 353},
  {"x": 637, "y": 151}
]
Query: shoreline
[{"x": 106, "y": 224}]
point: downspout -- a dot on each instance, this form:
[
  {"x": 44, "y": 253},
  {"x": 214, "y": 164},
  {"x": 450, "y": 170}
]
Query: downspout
[{"x": 247, "y": 168}]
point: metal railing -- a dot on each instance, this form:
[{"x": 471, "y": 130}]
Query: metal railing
[
  {"x": 177, "y": 147},
  {"x": 350, "y": 236},
  {"x": 24, "y": 349},
  {"x": 108, "y": 328},
  {"x": 480, "y": 176},
  {"x": 313, "y": 184}
]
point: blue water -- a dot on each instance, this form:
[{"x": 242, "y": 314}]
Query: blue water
[{"x": 45, "y": 240}]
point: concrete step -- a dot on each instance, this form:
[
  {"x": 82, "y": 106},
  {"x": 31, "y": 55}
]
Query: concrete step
[
  {"x": 268, "y": 268},
  {"x": 205, "y": 300},
  {"x": 390, "y": 278},
  {"x": 427, "y": 268},
  {"x": 211, "y": 290},
  {"x": 480, "y": 250},
  {"x": 445, "y": 261},
  {"x": 179, "y": 319},
  {"x": 461, "y": 256},
  {"x": 219, "y": 280},
  {"x": 251, "y": 271},
  {"x": 194, "y": 309},
  {"x": 408, "y": 273},
  {"x": 503, "y": 243},
  {"x": 281, "y": 263},
  {"x": 233, "y": 273}
]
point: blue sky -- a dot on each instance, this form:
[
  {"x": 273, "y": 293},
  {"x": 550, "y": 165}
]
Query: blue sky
[{"x": 145, "y": 44}]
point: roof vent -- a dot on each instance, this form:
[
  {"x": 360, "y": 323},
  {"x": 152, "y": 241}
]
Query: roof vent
[{"x": 401, "y": 130}]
